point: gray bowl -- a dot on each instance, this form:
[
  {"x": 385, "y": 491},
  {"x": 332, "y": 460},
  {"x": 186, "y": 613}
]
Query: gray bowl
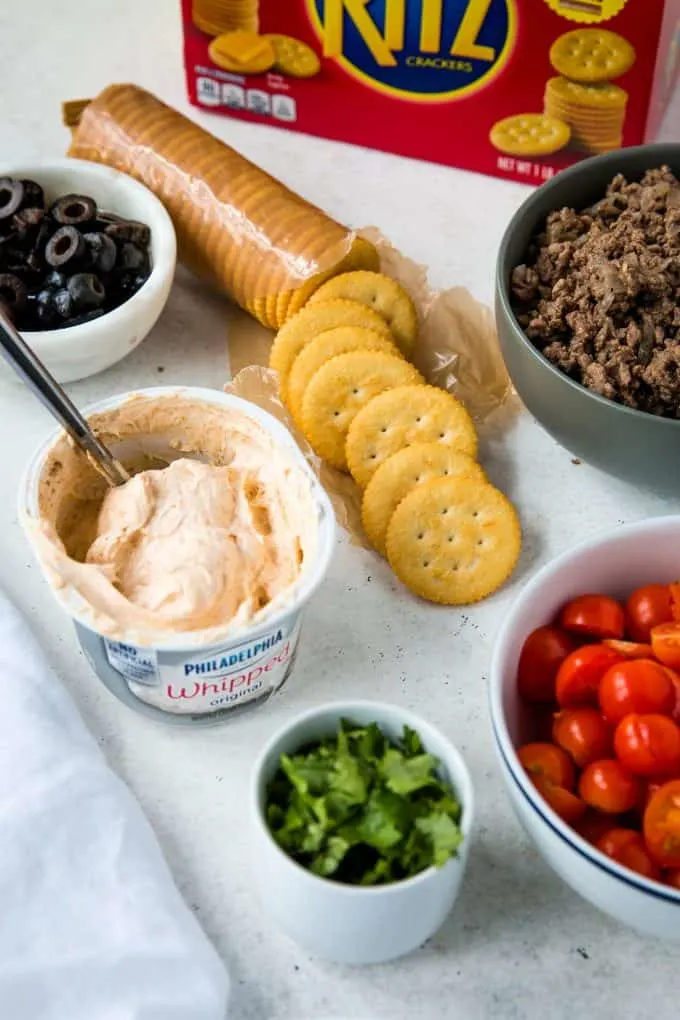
[{"x": 633, "y": 445}]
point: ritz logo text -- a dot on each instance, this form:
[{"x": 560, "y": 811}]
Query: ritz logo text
[{"x": 421, "y": 50}]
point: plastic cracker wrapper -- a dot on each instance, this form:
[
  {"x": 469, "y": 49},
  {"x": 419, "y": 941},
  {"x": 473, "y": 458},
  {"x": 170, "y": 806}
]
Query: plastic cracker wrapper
[
  {"x": 256, "y": 240},
  {"x": 457, "y": 349}
]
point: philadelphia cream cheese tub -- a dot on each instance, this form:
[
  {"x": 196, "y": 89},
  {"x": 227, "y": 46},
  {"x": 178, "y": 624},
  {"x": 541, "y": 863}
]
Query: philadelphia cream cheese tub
[{"x": 205, "y": 674}]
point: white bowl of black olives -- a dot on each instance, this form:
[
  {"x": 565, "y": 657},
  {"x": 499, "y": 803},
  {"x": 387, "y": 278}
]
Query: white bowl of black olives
[{"x": 87, "y": 258}]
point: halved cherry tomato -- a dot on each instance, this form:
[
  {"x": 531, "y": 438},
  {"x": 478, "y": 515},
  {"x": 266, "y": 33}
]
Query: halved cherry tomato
[
  {"x": 672, "y": 878},
  {"x": 666, "y": 644},
  {"x": 648, "y": 745},
  {"x": 646, "y": 608},
  {"x": 542, "y": 654},
  {"x": 583, "y": 734},
  {"x": 593, "y": 825},
  {"x": 627, "y": 847},
  {"x": 565, "y": 804},
  {"x": 609, "y": 786},
  {"x": 675, "y": 600},
  {"x": 548, "y": 762},
  {"x": 637, "y": 685},
  {"x": 675, "y": 680},
  {"x": 661, "y": 825},
  {"x": 630, "y": 649},
  {"x": 597, "y": 616},
  {"x": 579, "y": 676}
]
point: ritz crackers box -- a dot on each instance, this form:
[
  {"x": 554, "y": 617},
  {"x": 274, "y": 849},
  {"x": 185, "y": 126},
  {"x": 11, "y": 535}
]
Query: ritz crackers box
[{"x": 436, "y": 79}]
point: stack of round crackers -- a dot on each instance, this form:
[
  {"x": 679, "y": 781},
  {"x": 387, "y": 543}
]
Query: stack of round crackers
[
  {"x": 217, "y": 16},
  {"x": 594, "y": 112},
  {"x": 262, "y": 244},
  {"x": 345, "y": 375},
  {"x": 583, "y": 97}
]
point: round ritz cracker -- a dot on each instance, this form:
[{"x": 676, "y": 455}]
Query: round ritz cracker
[
  {"x": 454, "y": 540},
  {"x": 381, "y": 293},
  {"x": 401, "y": 473},
  {"x": 406, "y": 415},
  {"x": 591, "y": 55},
  {"x": 529, "y": 134},
  {"x": 339, "y": 389},
  {"x": 294, "y": 57},
  {"x": 312, "y": 320},
  {"x": 328, "y": 345}
]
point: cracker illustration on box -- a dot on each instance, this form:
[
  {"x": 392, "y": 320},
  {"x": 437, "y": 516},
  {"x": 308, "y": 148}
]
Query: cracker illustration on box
[
  {"x": 242, "y": 52},
  {"x": 591, "y": 55},
  {"x": 594, "y": 113},
  {"x": 215, "y": 17},
  {"x": 530, "y": 134}
]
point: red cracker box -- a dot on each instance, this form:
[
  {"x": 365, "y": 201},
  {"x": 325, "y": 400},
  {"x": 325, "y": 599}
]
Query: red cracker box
[{"x": 515, "y": 88}]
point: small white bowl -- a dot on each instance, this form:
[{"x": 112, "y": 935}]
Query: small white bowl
[
  {"x": 344, "y": 923},
  {"x": 615, "y": 563},
  {"x": 80, "y": 351}
]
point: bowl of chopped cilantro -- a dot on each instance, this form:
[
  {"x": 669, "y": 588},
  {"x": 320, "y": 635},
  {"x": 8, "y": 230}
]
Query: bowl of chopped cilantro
[{"x": 361, "y": 821}]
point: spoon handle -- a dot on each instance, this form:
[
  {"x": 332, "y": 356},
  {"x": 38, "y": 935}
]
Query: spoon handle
[{"x": 31, "y": 370}]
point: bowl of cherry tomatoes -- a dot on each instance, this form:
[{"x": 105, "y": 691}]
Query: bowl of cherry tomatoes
[{"x": 585, "y": 707}]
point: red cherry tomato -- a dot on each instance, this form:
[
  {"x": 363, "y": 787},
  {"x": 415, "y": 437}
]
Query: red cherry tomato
[
  {"x": 648, "y": 745},
  {"x": 637, "y": 685},
  {"x": 666, "y": 644},
  {"x": 579, "y": 676},
  {"x": 548, "y": 762},
  {"x": 542, "y": 654},
  {"x": 675, "y": 680},
  {"x": 583, "y": 734},
  {"x": 593, "y": 825},
  {"x": 630, "y": 649},
  {"x": 609, "y": 786},
  {"x": 672, "y": 877},
  {"x": 597, "y": 616},
  {"x": 627, "y": 847},
  {"x": 567, "y": 805},
  {"x": 661, "y": 825},
  {"x": 652, "y": 786},
  {"x": 646, "y": 608}
]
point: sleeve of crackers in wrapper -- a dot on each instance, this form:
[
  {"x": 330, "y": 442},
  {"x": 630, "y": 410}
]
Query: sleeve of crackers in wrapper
[{"x": 257, "y": 241}]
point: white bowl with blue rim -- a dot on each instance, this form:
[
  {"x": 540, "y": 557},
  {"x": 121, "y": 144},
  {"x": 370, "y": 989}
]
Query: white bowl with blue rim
[{"x": 614, "y": 563}]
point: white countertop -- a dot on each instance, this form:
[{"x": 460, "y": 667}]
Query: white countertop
[{"x": 520, "y": 945}]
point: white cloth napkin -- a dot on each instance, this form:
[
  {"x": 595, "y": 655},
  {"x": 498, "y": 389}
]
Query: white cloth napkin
[{"x": 92, "y": 926}]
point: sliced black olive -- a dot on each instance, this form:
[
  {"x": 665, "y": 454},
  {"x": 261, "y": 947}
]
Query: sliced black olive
[
  {"x": 11, "y": 197},
  {"x": 102, "y": 251},
  {"x": 55, "y": 280},
  {"x": 87, "y": 290},
  {"x": 34, "y": 196},
  {"x": 26, "y": 223},
  {"x": 131, "y": 257},
  {"x": 127, "y": 284},
  {"x": 13, "y": 294},
  {"x": 44, "y": 313},
  {"x": 65, "y": 247},
  {"x": 130, "y": 230},
  {"x": 63, "y": 302},
  {"x": 105, "y": 219},
  {"x": 73, "y": 210}
]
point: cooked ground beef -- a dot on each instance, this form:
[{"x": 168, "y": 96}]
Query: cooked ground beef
[{"x": 599, "y": 293}]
